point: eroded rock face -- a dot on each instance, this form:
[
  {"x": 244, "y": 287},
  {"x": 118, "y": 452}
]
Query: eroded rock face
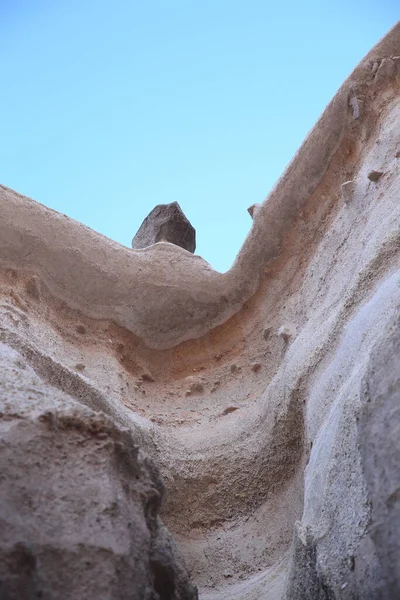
[
  {"x": 267, "y": 396},
  {"x": 379, "y": 439},
  {"x": 166, "y": 223},
  {"x": 79, "y": 502}
]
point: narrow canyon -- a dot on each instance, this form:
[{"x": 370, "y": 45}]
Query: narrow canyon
[{"x": 169, "y": 432}]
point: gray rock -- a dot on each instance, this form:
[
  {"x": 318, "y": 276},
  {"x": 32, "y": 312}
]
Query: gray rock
[
  {"x": 366, "y": 559},
  {"x": 375, "y": 176},
  {"x": 166, "y": 223},
  {"x": 379, "y": 439},
  {"x": 79, "y": 502},
  {"x": 304, "y": 582}
]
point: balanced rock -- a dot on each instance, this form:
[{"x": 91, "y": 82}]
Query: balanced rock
[{"x": 166, "y": 223}]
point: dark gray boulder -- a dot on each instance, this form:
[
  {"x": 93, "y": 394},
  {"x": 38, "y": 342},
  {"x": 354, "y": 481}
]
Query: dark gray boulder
[{"x": 166, "y": 223}]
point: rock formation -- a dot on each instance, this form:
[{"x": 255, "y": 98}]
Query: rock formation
[
  {"x": 166, "y": 223},
  {"x": 79, "y": 501},
  {"x": 254, "y": 413}
]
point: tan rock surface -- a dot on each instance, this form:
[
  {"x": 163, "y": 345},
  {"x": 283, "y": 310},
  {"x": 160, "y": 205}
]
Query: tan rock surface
[
  {"x": 270, "y": 472},
  {"x": 79, "y": 501}
]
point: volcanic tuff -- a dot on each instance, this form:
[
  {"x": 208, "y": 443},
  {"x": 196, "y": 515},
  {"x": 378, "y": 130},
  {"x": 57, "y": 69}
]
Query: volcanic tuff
[{"x": 254, "y": 413}]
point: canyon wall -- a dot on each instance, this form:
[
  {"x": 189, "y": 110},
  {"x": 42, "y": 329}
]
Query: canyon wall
[{"x": 159, "y": 418}]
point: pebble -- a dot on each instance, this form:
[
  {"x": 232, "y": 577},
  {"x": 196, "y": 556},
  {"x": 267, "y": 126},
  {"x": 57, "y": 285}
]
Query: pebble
[
  {"x": 229, "y": 409},
  {"x": 375, "y": 176}
]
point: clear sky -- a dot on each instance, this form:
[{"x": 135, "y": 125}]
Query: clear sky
[{"x": 109, "y": 108}]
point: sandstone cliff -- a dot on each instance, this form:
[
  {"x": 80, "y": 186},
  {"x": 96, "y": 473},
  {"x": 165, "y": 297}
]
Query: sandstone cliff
[{"x": 255, "y": 413}]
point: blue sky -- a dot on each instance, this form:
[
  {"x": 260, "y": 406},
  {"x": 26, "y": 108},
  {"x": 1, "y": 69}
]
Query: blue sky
[{"x": 109, "y": 108}]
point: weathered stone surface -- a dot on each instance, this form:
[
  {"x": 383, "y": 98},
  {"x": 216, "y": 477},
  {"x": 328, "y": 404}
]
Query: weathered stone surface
[
  {"x": 166, "y": 223},
  {"x": 280, "y": 482},
  {"x": 79, "y": 502},
  {"x": 379, "y": 439}
]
